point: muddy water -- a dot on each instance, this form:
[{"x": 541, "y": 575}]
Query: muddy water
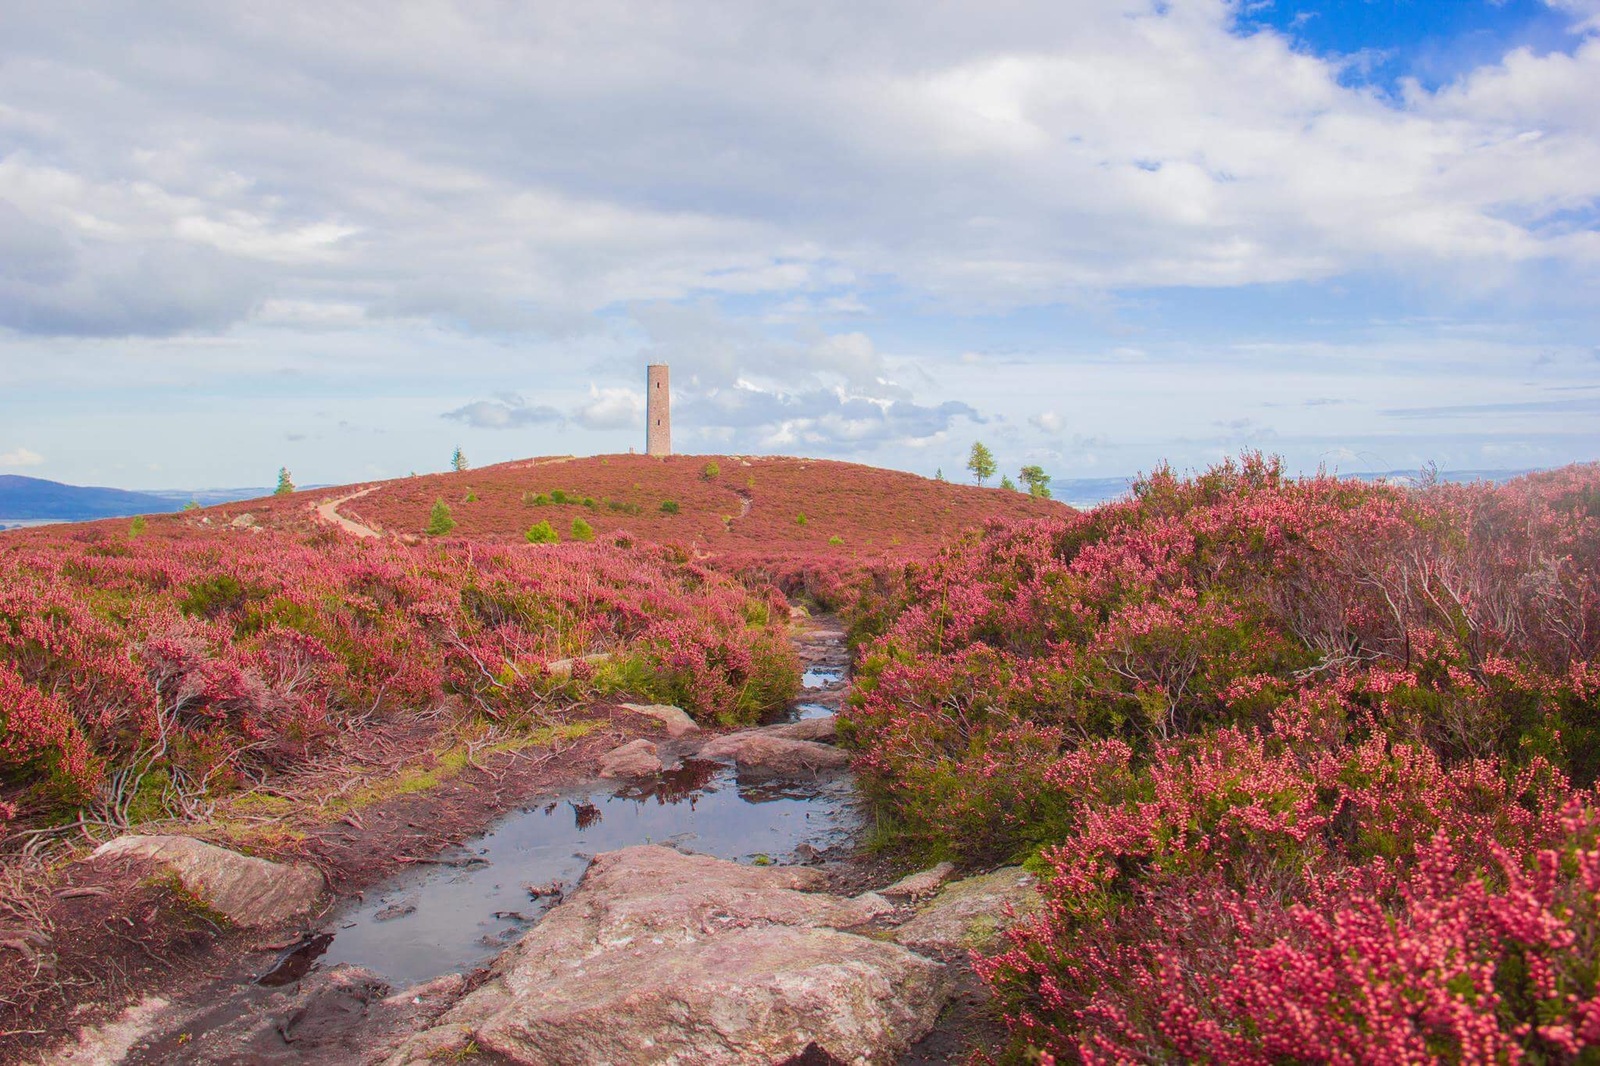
[{"x": 452, "y": 918}]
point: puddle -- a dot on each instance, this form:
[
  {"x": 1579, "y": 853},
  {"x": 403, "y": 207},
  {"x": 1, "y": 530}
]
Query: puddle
[
  {"x": 452, "y": 918},
  {"x": 295, "y": 961},
  {"x": 821, "y": 676}
]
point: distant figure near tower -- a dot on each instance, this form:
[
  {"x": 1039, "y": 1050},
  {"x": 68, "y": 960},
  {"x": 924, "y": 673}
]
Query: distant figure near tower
[{"x": 658, "y": 411}]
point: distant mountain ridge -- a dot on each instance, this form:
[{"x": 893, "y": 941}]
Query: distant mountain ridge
[
  {"x": 1092, "y": 491},
  {"x": 35, "y": 499}
]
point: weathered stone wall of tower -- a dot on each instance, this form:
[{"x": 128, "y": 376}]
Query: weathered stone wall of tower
[{"x": 658, "y": 411}]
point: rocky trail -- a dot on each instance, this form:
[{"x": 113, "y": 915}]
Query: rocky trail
[{"x": 698, "y": 900}]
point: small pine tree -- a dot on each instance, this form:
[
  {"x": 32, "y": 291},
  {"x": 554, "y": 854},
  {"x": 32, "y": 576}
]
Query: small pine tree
[
  {"x": 801, "y": 519},
  {"x": 1037, "y": 480},
  {"x": 669, "y": 506},
  {"x": 938, "y": 475},
  {"x": 582, "y": 530},
  {"x": 711, "y": 470},
  {"x": 458, "y": 461},
  {"x": 192, "y": 505},
  {"x": 137, "y": 526},
  {"x": 981, "y": 462},
  {"x": 285, "y": 483},
  {"x": 439, "y": 520},
  {"x": 1007, "y": 483},
  {"x": 542, "y": 533},
  {"x": 472, "y": 497}
]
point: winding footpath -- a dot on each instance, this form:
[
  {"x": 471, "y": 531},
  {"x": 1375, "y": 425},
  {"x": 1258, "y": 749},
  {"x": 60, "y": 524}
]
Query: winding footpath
[{"x": 329, "y": 512}]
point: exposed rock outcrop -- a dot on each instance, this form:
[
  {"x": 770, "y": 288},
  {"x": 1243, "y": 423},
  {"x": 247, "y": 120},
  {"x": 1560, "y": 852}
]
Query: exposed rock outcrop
[
  {"x": 249, "y": 892},
  {"x": 973, "y": 913},
  {"x": 675, "y": 719},
  {"x": 922, "y": 884},
  {"x": 561, "y": 669},
  {"x": 755, "y": 750},
  {"x": 638, "y": 758},
  {"x": 824, "y": 728},
  {"x": 661, "y": 957}
]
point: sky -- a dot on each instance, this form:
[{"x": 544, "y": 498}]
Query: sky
[{"x": 348, "y": 237}]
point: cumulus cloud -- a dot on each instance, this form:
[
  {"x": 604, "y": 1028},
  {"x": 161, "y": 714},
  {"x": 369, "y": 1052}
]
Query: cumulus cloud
[
  {"x": 611, "y": 409},
  {"x": 818, "y": 421},
  {"x": 20, "y": 457},
  {"x": 508, "y": 412},
  {"x": 370, "y": 198},
  {"x": 539, "y": 168},
  {"x": 1046, "y": 421}
]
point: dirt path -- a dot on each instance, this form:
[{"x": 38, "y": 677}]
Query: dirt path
[{"x": 329, "y": 512}]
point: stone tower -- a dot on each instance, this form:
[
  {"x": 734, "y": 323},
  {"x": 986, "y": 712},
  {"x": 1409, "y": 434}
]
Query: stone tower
[{"x": 658, "y": 411}]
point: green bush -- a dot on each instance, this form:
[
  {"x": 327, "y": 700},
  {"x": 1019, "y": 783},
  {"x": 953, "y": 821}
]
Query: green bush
[
  {"x": 710, "y": 470},
  {"x": 472, "y": 497},
  {"x": 836, "y": 541},
  {"x": 439, "y": 520},
  {"x": 801, "y": 519},
  {"x": 557, "y": 496},
  {"x": 669, "y": 506},
  {"x": 623, "y": 507},
  {"x": 542, "y": 533},
  {"x": 589, "y": 502},
  {"x": 582, "y": 530},
  {"x": 137, "y": 526}
]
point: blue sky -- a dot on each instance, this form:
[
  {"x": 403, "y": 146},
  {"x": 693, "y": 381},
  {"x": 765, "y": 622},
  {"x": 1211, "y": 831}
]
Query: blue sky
[{"x": 1097, "y": 235}]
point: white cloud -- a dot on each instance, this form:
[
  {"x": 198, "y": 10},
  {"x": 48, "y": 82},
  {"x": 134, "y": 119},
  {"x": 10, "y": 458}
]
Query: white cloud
[
  {"x": 316, "y": 203},
  {"x": 18, "y": 457},
  {"x": 508, "y": 412},
  {"x": 538, "y": 166},
  {"x": 611, "y": 409}
]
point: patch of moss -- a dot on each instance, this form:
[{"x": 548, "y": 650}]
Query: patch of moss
[
  {"x": 262, "y": 803},
  {"x": 443, "y": 765},
  {"x": 190, "y": 906}
]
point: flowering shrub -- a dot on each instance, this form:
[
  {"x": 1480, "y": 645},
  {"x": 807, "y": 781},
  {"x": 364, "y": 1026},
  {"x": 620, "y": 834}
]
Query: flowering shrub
[
  {"x": 1307, "y": 763},
  {"x": 1234, "y": 900},
  {"x": 229, "y": 653}
]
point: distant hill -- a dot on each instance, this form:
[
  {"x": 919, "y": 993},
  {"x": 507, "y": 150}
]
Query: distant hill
[
  {"x": 1092, "y": 491},
  {"x": 210, "y": 497},
  {"x": 750, "y": 506},
  {"x": 34, "y": 498}
]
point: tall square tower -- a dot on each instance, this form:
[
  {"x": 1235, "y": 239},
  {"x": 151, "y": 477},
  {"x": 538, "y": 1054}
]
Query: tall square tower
[{"x": 658, "y": 411}]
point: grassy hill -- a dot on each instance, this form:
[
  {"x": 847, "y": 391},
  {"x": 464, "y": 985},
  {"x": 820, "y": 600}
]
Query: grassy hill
[{"x": 747, "y": 506}]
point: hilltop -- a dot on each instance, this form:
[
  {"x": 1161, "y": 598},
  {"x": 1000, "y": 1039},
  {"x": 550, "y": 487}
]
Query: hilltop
[{"x": 713, "y": 504}]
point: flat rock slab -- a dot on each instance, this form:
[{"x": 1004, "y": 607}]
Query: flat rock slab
[
  {"x": 247, "y": 891},
  {"x": 661, "y": 957},
  {"x": 675, "y": 719},
  {"x": 974, "y": 913},
  {"x": 637, "y": 758},
  {"x": 824, "y": 729},
  {"x": 780, "y": 756},
  {"x": 922, "y": 884},
  {"x": 561, "y": 669}
]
